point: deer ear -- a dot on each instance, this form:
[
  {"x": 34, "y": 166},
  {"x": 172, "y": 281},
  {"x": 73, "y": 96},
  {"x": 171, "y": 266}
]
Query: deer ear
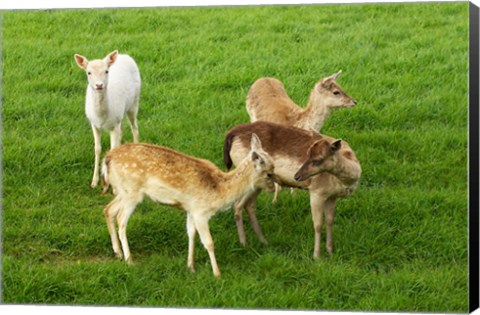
[
  {"x": 82, "y": 62},
  {"x": 336, "y": 75},
  {"x": 111, "y": 58},
  {"x": 336, "y": 145},
  {"x": 326, "y": 83},
  {"x": 257, "y": 159},
  {"x": 311, "y": 149},
  {"x": 255, "y": 143}
]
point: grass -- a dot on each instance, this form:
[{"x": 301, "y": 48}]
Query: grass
[{"x": 401, "y": 239}]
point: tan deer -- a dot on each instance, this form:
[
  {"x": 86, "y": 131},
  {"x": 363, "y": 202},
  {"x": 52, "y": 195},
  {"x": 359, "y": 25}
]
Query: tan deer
[
  {"x": 172, "y": 178},
  {"x": 268, "y": 100},
  {"x": 326, "y": 167}
]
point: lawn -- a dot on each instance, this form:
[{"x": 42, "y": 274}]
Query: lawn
[{"x": 401, "y": 238}]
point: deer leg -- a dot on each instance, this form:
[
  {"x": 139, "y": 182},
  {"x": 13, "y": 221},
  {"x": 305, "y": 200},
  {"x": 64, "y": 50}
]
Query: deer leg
[
  {"x": 98, "y": 151},
  {"x": 330, "y": 217},
  {"x": 128, "y": 204},
  {"x": 251, "y": 205},
  {"x": 275, "y": 195},
  {"x": 115, "y": 136},
  {"x": 238, "y": 211},
  {"x": 316, "y": 204},
  {"x": 191, "y": 231},
  {"x": 201, "y": 223},
  {"x": 110, "y": 212},
  {"x": 132, "y": 119}
]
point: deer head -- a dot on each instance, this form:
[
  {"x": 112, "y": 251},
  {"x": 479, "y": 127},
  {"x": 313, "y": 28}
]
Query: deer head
[
  {"x": 263, "y": 165},
  {"x": 332, "y": 94},
  {"x": 320, "y": 158},
  {"x": 97, "y": 70}
]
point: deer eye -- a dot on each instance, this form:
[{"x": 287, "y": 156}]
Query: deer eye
[
  {"x": 336, "y": 93},
  {"x": 89, "y": 73},
  {"x": 317, "y": 162},
  {"x": 106, "y": 71},
  {"x": 269, "y": 175}
]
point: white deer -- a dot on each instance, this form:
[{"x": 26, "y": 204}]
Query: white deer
[{"x": 113, "y": 90}]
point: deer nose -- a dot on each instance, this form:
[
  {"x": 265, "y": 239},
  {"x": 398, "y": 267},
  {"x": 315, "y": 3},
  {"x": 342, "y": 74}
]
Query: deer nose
[
  {"x": 354, "y": 102},
  {"x": 99, "y": 86}
]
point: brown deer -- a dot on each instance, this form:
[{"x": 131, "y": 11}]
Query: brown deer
[
  {"x": 326, "y": 167},
  {"x": 172, "y": 178},
  {"x": 268, "y": 100}
]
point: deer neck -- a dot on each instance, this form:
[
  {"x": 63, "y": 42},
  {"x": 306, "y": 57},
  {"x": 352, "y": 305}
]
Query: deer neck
[
  {"x": 237, "y": 183},
  {"x": 315, "y": 113},
  {"x": 100, "y": 102}
]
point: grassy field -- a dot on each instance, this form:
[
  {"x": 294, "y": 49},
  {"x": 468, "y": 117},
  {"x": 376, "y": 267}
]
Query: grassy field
[{"x": 401, "y": 239}]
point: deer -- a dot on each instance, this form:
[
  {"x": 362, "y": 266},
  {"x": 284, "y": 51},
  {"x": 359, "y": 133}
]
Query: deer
[
  {"x": 113, "y": 91},
  {"x": 268, "y": 100},
  {"x": 172, "y": 178},
  {"x": 303, "y": 159}
]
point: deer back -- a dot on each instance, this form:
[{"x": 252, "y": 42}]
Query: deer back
[{"x": 286, "y": 145}]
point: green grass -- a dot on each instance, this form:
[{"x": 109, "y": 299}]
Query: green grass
[{"x": 401, "y": 239}]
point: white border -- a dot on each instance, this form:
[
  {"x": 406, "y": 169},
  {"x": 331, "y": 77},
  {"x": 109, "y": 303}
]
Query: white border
[
  {"x": 59, "y": 4},
  {"x": 97, "y": 310}
]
